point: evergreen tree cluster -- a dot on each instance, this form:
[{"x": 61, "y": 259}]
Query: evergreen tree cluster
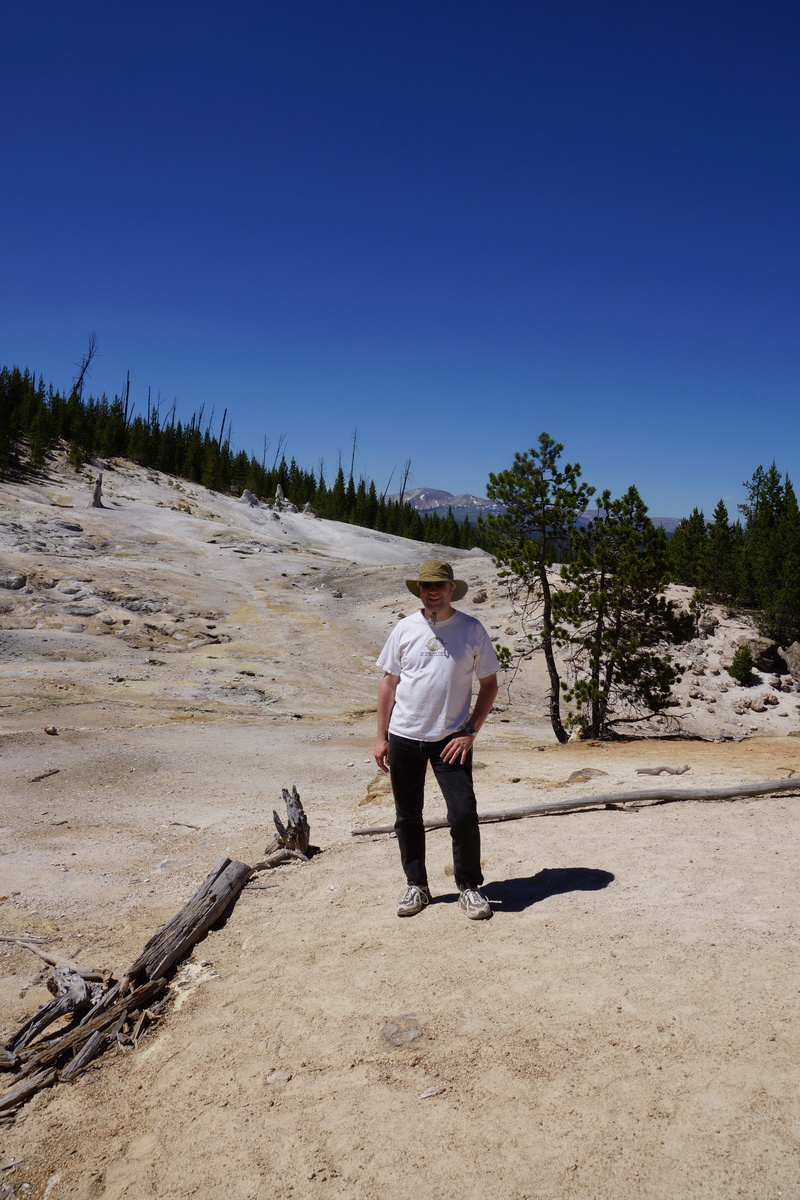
[
  {"x": 752, "y": 563},
  {"x": 609, "y": 617},
  {"x": 35, "y": 418}
]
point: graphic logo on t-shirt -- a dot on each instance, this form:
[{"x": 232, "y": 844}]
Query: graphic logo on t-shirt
[{"x": 436, "y": 646}]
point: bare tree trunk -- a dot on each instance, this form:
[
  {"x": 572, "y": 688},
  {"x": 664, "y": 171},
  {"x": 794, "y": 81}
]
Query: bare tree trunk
[
  {"x": 84, "y": 364},
  {"x": 550, "y": 659},
  {"x": 406, "y": 473},
  {"x": 353, "y": 454}
]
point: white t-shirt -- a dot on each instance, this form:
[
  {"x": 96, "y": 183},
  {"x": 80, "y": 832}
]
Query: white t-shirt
[{"x": 436, "y": 665}]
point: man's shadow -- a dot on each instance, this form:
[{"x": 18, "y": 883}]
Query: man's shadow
[{"x": 515, "y": 895}]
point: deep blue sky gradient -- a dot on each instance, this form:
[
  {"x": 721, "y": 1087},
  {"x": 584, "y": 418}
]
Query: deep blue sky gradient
[{"x": 449, "y": 224}]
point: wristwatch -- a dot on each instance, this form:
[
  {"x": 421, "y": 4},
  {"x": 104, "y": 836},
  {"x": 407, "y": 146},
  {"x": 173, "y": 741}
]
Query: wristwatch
[{"x": 470, "y": 731}]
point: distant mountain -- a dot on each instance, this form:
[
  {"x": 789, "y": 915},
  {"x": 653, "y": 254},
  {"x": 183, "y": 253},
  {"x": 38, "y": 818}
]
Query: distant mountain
[{"x": 434, "y": 500}]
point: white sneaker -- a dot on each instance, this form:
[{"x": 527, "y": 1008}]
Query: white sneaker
[
  {"x": 413, "y": 900},
  {"x": 474, "y": 904}
]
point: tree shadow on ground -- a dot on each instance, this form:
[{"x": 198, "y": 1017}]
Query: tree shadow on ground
[{"x": 515, "y": 895}]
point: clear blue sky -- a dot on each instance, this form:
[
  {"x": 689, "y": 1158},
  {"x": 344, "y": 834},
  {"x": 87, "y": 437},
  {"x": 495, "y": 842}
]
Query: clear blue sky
[{"x": 449, "y": 224}]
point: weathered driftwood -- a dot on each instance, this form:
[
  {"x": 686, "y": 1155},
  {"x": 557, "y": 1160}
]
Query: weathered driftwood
[
  {"x": 83, "y": 1042},
  {"x": 29, "y": 1087},
  {"x": 67, "y": 1055},
  {"x": 658, "y": 770},
  {"x": 56, "y": 960},
  {"x": 215, "y": 895},
  {"x": 8, "y": 1061},
  {"x": 73, "y": 997},
  {"x": 290, "y": 841},
  {"x": 657, "y": 796},
  {"x": 123, "y": 1011}
]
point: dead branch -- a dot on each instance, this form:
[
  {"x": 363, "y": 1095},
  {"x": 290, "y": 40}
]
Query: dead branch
[
  {"x": 73, "y": 997},
  {"x": 23, "y": 1091},
  {"x": 607, "y": 801},
  {"x": 55, "y": 960},
  {"x": 84, "y": 365},
  {"x": 44, "y": 775},
  {"x": 658, "y": 770}
]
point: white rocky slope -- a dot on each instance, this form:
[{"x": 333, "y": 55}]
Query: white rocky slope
[{"x": 164, "y": 563}]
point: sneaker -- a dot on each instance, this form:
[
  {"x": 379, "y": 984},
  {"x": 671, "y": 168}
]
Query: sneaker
[
  {"x": 413, "y": 900},
  {"x": 474, "y": 904}
]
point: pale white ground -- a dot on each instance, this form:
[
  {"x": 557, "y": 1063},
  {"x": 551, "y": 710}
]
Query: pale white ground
[{"x": 626, "y": 1025}]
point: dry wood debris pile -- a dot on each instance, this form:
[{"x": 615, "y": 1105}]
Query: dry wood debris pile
[{"x": 105, "y": 1012}]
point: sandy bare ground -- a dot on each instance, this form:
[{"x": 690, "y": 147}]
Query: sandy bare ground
[{"x": 626, "y": 1025}]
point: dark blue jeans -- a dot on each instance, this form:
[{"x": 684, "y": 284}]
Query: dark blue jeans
[{"x": 408, "y": 763}]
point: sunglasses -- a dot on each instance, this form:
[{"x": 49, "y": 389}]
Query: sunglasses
[{"x": 425, "y": 587}]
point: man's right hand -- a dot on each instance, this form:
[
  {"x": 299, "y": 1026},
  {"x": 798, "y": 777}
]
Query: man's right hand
[{"x": 382, "y": 754}]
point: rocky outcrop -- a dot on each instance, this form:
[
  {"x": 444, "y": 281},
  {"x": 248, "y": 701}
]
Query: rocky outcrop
[
  {"x": 707, "y": 624},
  {"x": 792, "y": 657},
  {"x": 765, "y": 652}
]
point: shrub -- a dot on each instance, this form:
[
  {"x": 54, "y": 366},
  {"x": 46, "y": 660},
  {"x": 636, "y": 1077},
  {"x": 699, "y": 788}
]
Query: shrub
[{"x": 741, "y": 668}]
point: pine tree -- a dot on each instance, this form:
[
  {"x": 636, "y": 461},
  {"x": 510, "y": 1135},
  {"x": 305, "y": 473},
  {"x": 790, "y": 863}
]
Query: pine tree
[
  {"x": 612, "y": 613},
  {"x": 338, "y": 498},
  {"x": 687, "y": 549},
  {"x": 780, "y": 594},
  {"x": 449, "y": 533},
  {"x": 720, "y": 567},
  {"x": 542, "y": 502}
]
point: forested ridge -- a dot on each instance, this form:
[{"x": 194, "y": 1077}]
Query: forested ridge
[
  {"x": 751, "y": 563},
  {"x": 35, "y": 418}
]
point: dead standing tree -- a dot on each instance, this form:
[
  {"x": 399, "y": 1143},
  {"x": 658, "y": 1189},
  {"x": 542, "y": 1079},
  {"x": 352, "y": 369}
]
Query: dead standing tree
[
  {"x": 290, "y": 841},
  {"x": 84, "y": 364}
]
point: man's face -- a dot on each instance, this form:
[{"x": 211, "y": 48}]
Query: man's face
[{"x": 436, "y": 597}]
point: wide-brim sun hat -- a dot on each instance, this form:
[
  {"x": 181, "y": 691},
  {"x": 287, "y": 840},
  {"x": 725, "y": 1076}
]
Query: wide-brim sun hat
[{"x": 433, "y": 571}]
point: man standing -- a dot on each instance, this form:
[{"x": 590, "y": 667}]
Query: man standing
[{"x": 424, "y": 717}]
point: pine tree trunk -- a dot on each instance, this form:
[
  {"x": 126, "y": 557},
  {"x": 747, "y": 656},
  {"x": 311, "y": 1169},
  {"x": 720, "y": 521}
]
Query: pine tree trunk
[{"x": 552, "y": 670}]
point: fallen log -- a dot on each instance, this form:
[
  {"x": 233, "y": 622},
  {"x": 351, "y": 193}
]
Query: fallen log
[
  {"x": 657, "y": 796},
  {"x": 121, "y": 1013},
  {"x": 215, "y": 895},
  {"x": 145, "y": 981},
  {"x": 659, "y": 770}
]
